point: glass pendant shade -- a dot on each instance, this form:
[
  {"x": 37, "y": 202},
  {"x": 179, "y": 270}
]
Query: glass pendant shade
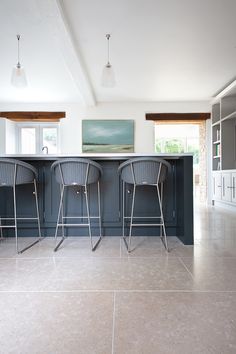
[
  {"x": 18, "y": 78},
  {"x": 108, "y": 76}
]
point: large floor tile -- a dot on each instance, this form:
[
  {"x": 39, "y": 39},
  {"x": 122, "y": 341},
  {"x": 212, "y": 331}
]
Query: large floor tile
[
  {"x": 25, "y": 274},
  {"x": 212, "y": 273},
  {"x": 120, "y": 274},
  {"x": 214, "y": 223},
  {"x": 206, "y": 249},
  {"x": 175, "y": 323},
  {"x": 150, "y": 247},
  {"x": 56, "y": 323},
  {"x": 80, "y": 247},
  {"x": 8, "y": 246},
  {"x": 71, "y": 247}
]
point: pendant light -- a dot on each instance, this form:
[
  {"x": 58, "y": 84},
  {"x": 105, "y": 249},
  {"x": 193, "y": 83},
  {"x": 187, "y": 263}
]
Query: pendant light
[
  {"x": 108, "y": 76},
  {"x": 18, "y": 77}
]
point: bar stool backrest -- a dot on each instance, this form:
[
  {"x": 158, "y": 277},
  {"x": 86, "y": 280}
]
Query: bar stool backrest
[
  {"x": 144, "y": 171},
  {"x": 15, "y": 172},
  {"x": 76, "y": 171}
]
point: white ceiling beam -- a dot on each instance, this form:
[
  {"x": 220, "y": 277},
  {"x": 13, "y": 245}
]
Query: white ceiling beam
[{"x": 54, "y": 16}]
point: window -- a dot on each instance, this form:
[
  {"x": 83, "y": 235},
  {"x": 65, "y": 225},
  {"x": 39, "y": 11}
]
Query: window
[
  {"x": 178, "y": 138},
  {"x": 35, "y": 138},
  {"x": 28, "y": 140},
  {"x": 49, "y": 138}
]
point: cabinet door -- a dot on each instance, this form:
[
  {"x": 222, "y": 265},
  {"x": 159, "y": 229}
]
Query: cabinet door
[
  {"x": 110, "y": 193},
  {"x": 217, "y": 187},
  {"x": 226, "y": 186},
  {"x": 233, "y": 185}
]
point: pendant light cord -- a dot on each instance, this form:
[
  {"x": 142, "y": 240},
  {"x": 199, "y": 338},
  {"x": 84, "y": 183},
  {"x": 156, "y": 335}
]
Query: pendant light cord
[
  {"x": 108, "y": 48},
  {"x": 18, "y": 51}
]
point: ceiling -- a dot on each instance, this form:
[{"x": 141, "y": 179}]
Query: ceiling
[{"x": 161, "y": 50}]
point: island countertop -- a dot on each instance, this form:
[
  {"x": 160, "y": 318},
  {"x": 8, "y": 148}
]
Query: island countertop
[{"x": 96, "y": 156}]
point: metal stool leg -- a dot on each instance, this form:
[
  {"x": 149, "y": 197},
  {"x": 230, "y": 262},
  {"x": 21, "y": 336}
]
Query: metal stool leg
[
  {"x": 99, "y": 217},
  {"x": 38, "y": 220},
  {"x": 58, "y": 219},
  {"x": 88, "y": 216},
  {"x": 162, "y": 223},
  {"x": 15, "y": 218},
  {"x": 131, "y": 219},
  {"x": 93, "y": 246},
  {"x": 123, "y": 210},
  {"x": 99, "y": 210},
  {"x": 123, "y": 215},
  {"x": 161, "y": 194},
  {"x": 128, "y": 246},
  {"x": 37, "y": 209},
  {"x": 62, "y": 220},
  {"x": 1, "y": 232}
]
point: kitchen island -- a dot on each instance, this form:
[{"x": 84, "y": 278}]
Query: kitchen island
[{"x": 177, "y": 201}]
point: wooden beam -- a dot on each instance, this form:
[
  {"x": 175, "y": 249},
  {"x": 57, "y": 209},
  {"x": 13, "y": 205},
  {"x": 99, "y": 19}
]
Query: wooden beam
[
  {"x": 177, "y": 116},
  {"x": 33, "y": 116},
  {"x": 58, "y": 28}
]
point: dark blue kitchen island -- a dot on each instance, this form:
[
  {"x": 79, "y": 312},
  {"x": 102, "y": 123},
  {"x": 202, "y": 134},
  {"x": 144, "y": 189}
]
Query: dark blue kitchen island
[{"x": 177, "y": 203}]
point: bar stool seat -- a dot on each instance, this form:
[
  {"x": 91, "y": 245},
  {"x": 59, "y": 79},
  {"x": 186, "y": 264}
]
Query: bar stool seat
[
  {"x": 77, "y": 172},
  {"x": 144, "y": 171},
  {"x": 12, "y": 174}
]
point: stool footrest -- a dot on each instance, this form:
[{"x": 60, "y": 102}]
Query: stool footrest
[
  {"x": 147, "y": 224},
  {"x": 73, "y": 225},
  {"x": 80, "y": 217},
  {"x": 143, "y": 217},
  {"x": 7, "y": 226}
]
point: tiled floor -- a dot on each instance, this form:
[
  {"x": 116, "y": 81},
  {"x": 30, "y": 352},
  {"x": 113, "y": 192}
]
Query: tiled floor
[{"x": 108, "y": 302}]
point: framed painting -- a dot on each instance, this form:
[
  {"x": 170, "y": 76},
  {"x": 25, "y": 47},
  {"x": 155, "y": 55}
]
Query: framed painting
[{"x": 107, "y": 136}]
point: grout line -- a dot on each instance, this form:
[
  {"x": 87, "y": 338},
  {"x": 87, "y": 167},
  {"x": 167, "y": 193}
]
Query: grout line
[
  {"x": 113, "y": 323},
  {"x": 157, "y": 257},
  {"x": 116, "y": 291},
  {"x": 182, "y": 262},
  {"x": 94, "y": 257}
]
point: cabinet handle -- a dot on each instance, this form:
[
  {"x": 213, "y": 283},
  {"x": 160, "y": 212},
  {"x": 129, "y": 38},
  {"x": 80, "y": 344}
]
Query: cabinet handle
[
  {"x": 230, "y": 187},
  {"x": 219, "y": 186}
]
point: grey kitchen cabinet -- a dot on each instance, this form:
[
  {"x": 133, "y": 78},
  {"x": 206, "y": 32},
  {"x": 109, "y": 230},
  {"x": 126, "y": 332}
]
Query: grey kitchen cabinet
[{"x": 224, "y": 145}]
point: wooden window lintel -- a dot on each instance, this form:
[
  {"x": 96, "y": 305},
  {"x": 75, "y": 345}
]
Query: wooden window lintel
[
  {"x": 177, "y": 116},
  {"x": 26, "y": 116}
]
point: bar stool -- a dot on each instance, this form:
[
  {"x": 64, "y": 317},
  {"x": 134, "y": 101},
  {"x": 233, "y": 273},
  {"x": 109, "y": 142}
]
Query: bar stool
[
  {"x": 144, "y": 171},
  {"x": 78, "y": 172},
  {"x": 12, "y": 174}
]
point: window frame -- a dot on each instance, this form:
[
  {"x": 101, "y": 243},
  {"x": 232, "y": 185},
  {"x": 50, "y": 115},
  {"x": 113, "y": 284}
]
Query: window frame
[{"x": 38, "y": 135}]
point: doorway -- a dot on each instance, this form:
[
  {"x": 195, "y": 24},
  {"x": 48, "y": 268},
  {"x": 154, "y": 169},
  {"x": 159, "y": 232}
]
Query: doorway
[{"x": 186, "y": 137}]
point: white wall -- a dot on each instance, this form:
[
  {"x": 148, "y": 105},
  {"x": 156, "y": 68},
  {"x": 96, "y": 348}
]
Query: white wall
[
  {"x": 7, "y": 136},
  {"x": 70, "y": 127},
  {"x": 10, "y": 137},
  {"x": 2, "y": 135},
  {"x": 144, "y": 130}
]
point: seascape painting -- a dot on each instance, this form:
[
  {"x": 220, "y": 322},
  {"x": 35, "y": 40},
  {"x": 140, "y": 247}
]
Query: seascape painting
[{"x": 108, "y": 136}]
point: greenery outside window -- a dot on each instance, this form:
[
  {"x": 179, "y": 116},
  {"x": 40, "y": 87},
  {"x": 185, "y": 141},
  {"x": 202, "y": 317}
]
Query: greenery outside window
[{"x": 177, "y": 138}]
